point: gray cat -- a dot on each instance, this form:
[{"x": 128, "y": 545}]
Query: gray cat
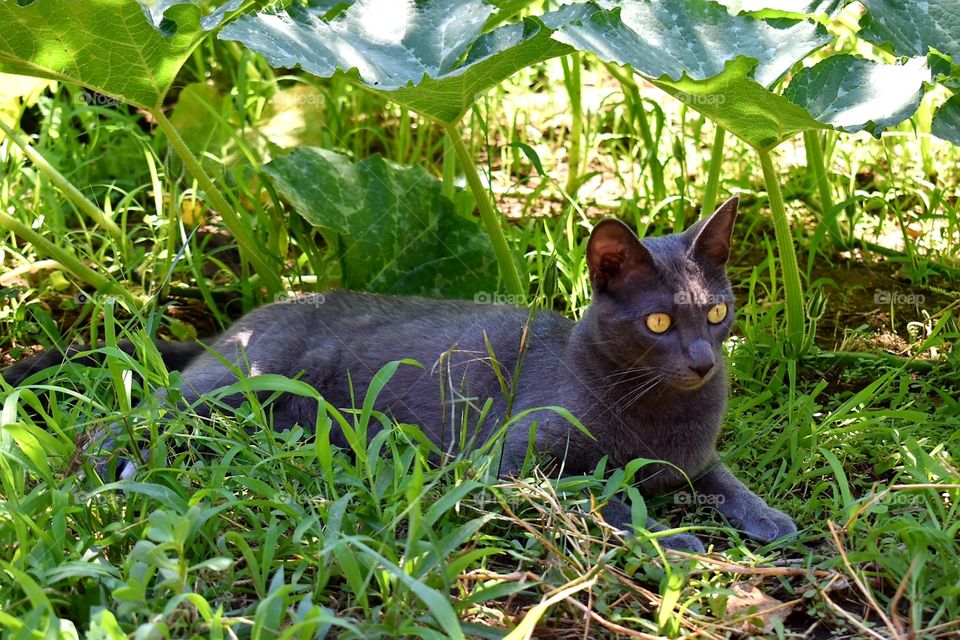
[{"x": 642, "y": 370}]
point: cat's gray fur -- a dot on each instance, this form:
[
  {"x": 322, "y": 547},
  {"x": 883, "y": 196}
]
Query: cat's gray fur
[{"x": 642, "y": 395}]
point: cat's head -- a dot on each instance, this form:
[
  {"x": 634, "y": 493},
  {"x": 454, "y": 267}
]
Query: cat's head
[{"x": 663, "y": 306}]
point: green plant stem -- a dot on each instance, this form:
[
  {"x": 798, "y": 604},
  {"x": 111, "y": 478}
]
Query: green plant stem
[
  {"x": 818, "y": 170},
  {"x": 73, "y": 194},
  {"x": 449, "y": 188},
  {"x": 70, "y": 262},
  {"x": 571, "y": 78},
  {"x": 508, "y": 268},
  {"x": 924, "y": 125},
  {"x": 245, "y": 240},
  {"x": 792, "y": 287},
  {"x": 713, "y": 175},
  {"x": 854, "y": 358},
  {"x": 638, "y": 118}
]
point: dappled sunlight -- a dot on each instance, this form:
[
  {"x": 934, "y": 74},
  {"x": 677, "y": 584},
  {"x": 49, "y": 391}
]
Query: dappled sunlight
[
  {"x": 880, "y": 88},
  {"x": 386, "y": 21}
]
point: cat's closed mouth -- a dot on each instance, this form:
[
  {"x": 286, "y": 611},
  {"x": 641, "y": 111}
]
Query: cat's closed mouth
[{"x": 689, "y": 383}]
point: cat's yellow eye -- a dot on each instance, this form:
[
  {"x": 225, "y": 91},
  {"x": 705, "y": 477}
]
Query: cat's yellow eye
[
  {"x": 717, "y": 313},
  {"x": 658, "y": 322}
]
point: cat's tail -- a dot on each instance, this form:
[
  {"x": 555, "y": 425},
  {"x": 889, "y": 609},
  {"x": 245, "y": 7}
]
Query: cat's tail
[{"x": 176, "y": 356}]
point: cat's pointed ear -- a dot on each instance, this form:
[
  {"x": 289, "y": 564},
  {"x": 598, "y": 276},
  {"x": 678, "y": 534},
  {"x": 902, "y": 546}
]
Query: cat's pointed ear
[
  {"x": 709, "y": 239},
  {"x": 613, "y": 252}
]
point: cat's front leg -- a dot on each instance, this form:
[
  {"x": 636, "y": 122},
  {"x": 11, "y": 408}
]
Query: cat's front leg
[
  {"x": 742, "y": 507},
  {"x": 617, "y": 514}
]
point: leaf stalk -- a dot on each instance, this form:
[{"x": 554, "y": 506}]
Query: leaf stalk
[
  {"x": 491, "y": 219},
  {"x": 792, "y": 287},
  {"x": 70, "y": 262},
  {"x": 713, "y": 174},
  {"x": 818, "y": 172},
  {"x": 73, "y": 194},
  {"x": 235, "y": 223}
]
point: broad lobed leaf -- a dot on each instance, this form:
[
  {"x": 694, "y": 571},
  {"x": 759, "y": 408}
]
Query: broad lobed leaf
[
  {"x": 669, "y": 40},
  {"x": 393, "y": 46},
  {"x": 946, "y": 122},
  {"x": 742, "y": 106},
  {"x": 853, "y": 94},
  {"x": 396, "y": 232},
  {"x": 912, "y": 29},
  {"x": 719, "y": 64},
  {"x": 390, "y": 43},
  {"x": 105, "y": 45}
]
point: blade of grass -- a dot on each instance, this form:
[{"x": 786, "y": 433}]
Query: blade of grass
[
  {"x": 438, "y": 604},
  {"x": 524, "y": 630}
]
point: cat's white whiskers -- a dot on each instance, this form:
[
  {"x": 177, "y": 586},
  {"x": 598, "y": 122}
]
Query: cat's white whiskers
[
  {"x": 624, "y": 382},
  {"x": 625, "y": 377},
  {"x": 634, "y": 396}
]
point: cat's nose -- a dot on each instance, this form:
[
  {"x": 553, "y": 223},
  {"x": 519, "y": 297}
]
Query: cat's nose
[
  {"x": 701, "y": 357},
  {"x": 702, "y": 369}
]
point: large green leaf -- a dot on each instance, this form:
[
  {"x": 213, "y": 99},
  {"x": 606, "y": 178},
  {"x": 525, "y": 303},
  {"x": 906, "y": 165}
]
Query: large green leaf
[
  {"x": 946, "y": 123},
  {"x": 198, "y": 121},
  {"x": 106, "y": 45},
  {"x": 717, "y": 63},
  {"x": 854, "y": 94},
  {"x": 494, "y": 57},
  {"x": 913, "y": 28},
  {"x": 429, "y": 56},
  {"x": 742, "y": 106},
  {"x": 396, "y": 232},
  {"x": 723, "y": 65},
  {"x": 693, "y": 38}
]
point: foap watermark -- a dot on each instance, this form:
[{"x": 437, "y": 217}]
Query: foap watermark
[
  {"x": 699, "y": 499},
  {"x": 495, "y": 297},
  {"x": 311, "y": 100},
  {"x": 902, "y": 499},
  {"x": 82, "y": 297},
  {"x": 701, "y": 99},
  {"x": 699, "y": 298},
  {"x": 92, "y": 98},
  {"x": 899, "y": 298},
  {"x": 292, "y": 297}
]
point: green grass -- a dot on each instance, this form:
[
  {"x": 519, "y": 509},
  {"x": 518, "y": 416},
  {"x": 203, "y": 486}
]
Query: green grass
[{"x": 233, "y": 530}]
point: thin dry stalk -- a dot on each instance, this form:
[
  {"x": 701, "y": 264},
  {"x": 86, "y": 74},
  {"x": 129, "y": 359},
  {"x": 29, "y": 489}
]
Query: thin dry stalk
[
  {"x": 860, "y": 584},
  {"x": 606, "y": 624}
]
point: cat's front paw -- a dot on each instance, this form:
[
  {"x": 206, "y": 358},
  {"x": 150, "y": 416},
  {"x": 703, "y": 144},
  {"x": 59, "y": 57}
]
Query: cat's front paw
[
  {"x": 763, "y": 523},
  {"x": 102, "y": 448},
  {"x": 123, "y": 470}
]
